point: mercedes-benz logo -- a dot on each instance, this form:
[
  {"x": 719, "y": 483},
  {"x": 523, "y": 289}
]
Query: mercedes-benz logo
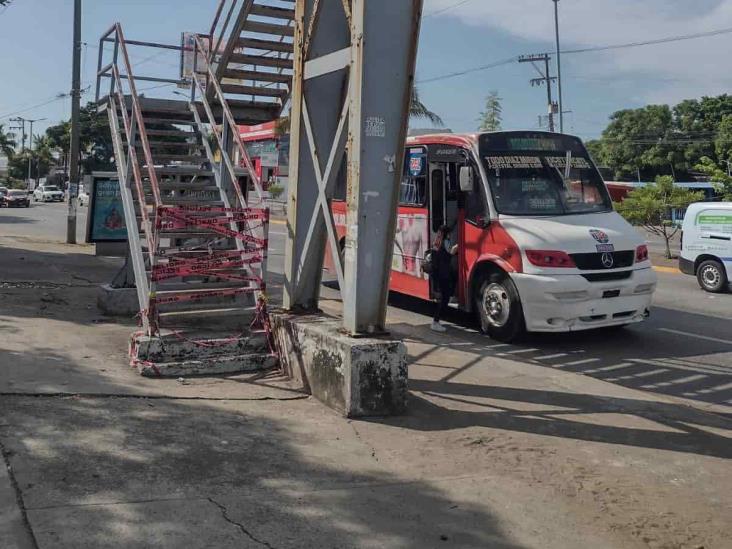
[{"x": 608, "y": 261}]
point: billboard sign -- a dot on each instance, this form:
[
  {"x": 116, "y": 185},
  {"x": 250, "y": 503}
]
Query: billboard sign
[{"x": 106, "y": 211}]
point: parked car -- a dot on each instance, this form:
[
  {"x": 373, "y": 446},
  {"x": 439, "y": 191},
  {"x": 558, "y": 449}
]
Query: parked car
[
  {"x": 83, "y": 197},
  {"x": 706, "y": 245},
  {"x": 17, "y": 199},
  {"x": 3, "y": 192},
  {"x": 48, "y": 193}
]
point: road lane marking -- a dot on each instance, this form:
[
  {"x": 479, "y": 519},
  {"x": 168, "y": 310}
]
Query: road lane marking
[
  {"x": 549, "y": 357},
  {"x": 724, "y": 387},
  {"x": 672, "y": 270},
  {"x": 697, "y": 336},
  {"x": 678, "y": 381},
  {"x": 578, "y": 362}
]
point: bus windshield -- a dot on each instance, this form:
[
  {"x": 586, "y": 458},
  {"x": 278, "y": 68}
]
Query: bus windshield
[{"x": 542, "y": 176}]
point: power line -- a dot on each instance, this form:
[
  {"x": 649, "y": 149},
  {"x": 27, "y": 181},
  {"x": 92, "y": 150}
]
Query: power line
[
  {"x": 448, "y": 8},
  {"x": 678, "y": 38},
  {"x": 513, "y": 59},
  {"x": 508, "y": 61},
  {"x": 55, "y": 98}
]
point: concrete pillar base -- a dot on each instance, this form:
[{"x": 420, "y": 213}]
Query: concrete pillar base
[
  {"x": 356, "y": 377},
  {"x": 117, "y": 301}
]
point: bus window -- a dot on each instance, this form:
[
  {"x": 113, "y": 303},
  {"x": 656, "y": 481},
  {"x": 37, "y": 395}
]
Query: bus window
[
  {"x": 475, "y": 202},
  {"x": 437, "y": 210},
  {"x": 413, "y": 190},
  {"x": 413, "y": 186}
]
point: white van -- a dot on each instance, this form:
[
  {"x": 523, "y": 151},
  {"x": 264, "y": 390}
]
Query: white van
[{"x": 706, "y": 244}]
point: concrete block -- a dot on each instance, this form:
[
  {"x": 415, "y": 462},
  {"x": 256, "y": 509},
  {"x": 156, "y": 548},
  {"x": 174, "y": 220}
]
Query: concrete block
[
  {"x": 118, "y": 301},
  {"x": 195, "y": 354},
  {"x": 209, "y": 366},
  {"x": 356, "y": 377}
]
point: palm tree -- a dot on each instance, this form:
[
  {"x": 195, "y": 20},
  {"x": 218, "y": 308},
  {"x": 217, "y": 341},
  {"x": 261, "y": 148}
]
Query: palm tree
[
  {"x": 420, "y": 110},
  {"x": 7, "y": 143}
]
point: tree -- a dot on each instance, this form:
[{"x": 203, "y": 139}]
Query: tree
[
  {"x": 719, "y": 176},
  {"x": 18, "y": 165},
  {"x": 7, "y": 143},
  {"x": 638, "y": 139},
  {"x": 492, "y": 117},
  {"x": 723, "y": 141},
  {"x": 658, "y": 139},
  {"x": 418, "y": 109},
  {"x": 651, "y": 206},
  {"x": 59, "y": 139},
  {"x": 42, "y": 157}
]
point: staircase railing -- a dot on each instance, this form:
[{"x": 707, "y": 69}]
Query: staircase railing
[
  {"x": 228, "y": 122},
  {"x": 217, "y": 34},
  {"x": 127, "y": 103}
]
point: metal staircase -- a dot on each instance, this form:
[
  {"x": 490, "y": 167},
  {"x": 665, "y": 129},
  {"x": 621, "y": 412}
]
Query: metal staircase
[
  {"x": 198, "y": 237},
  {"x": 252, "y": 46}
]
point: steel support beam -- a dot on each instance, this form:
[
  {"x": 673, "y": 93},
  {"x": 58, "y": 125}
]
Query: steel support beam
[{"x": 354, "y": 68}]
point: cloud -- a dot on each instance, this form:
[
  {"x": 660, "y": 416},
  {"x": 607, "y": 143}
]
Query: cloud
[{"x": 689, "y": 68}]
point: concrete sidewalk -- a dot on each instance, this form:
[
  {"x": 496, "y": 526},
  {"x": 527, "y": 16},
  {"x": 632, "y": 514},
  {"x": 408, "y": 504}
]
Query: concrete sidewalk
[{"x": 493, "y": 453}]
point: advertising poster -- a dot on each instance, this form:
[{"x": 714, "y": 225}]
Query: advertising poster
[
  {"x": 107, "y": 218},
  {"x": 411, "y": 244}
]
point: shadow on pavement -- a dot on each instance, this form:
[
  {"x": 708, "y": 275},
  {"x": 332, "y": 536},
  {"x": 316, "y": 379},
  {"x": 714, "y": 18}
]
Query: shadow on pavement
[
  {"x": 650, "y": 357},
  {"x": 112, "y": 468},
  {"x": 14, "y": 219},
  {"x": 441, "y": 406},
  {"x": 137, "y": 472}
]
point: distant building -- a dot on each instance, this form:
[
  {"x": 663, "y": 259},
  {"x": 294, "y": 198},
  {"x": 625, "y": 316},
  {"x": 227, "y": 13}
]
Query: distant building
[
  {"x": 3, "y": 165},
  {"x": 270, "y": 152}
]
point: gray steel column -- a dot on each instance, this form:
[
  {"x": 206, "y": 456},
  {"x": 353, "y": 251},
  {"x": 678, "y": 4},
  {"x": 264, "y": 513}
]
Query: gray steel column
[
  {"x": 385, "y": 36},
  {"x": 354, "y": 69},
  {"x": 317, "y": 133}
]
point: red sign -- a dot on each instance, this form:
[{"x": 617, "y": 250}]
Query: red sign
[{"x": 259, "y": 132}]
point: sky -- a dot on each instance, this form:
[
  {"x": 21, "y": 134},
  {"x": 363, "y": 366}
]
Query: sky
[{"x": 457, "y": 35}]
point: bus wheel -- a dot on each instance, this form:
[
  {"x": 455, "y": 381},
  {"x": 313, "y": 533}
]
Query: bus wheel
[
  {"x": 499, "y": 309},
  {"x": 712, "y": 276}
]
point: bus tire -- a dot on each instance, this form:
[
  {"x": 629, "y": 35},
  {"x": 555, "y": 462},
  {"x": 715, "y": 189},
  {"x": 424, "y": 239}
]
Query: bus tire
[
  {"x": 712, "y": 277},
  {"x": 499, "y": 308}
]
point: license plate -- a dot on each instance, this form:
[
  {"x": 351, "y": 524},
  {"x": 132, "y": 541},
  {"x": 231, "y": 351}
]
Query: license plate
[
  {"x": 605, "y": 248},
  {"x": 607, "y": 294}
]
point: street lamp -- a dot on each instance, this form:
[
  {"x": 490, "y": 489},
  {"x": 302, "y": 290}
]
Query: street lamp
[{"x": 559, "y": 66}]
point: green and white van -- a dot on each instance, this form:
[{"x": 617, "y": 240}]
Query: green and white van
[{"x": 706, "y": 245}]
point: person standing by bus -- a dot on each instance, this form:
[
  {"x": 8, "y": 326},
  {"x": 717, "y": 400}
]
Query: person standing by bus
[{"x": 443, "y": 251}]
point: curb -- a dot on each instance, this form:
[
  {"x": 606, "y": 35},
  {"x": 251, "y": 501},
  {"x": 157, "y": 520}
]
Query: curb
[{"x": 670, "y": 270}]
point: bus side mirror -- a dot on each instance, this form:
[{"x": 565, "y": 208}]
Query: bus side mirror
[{"x": 466, "y": 179}]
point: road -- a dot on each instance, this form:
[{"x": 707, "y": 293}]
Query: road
[{"x": 43, "y": 220}]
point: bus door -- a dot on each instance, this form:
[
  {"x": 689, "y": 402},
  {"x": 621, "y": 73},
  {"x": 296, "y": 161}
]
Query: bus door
[{"x": 445, "y": 203}]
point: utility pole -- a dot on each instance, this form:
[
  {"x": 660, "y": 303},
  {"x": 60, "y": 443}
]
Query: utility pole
[
  {"x": 75, "y": 130},
  {"x": 559, "y": 66},
  {"x": 20, "y": 120},
  {"x": 30, "y": 148},
  {"x": 546, "y": 77}
]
